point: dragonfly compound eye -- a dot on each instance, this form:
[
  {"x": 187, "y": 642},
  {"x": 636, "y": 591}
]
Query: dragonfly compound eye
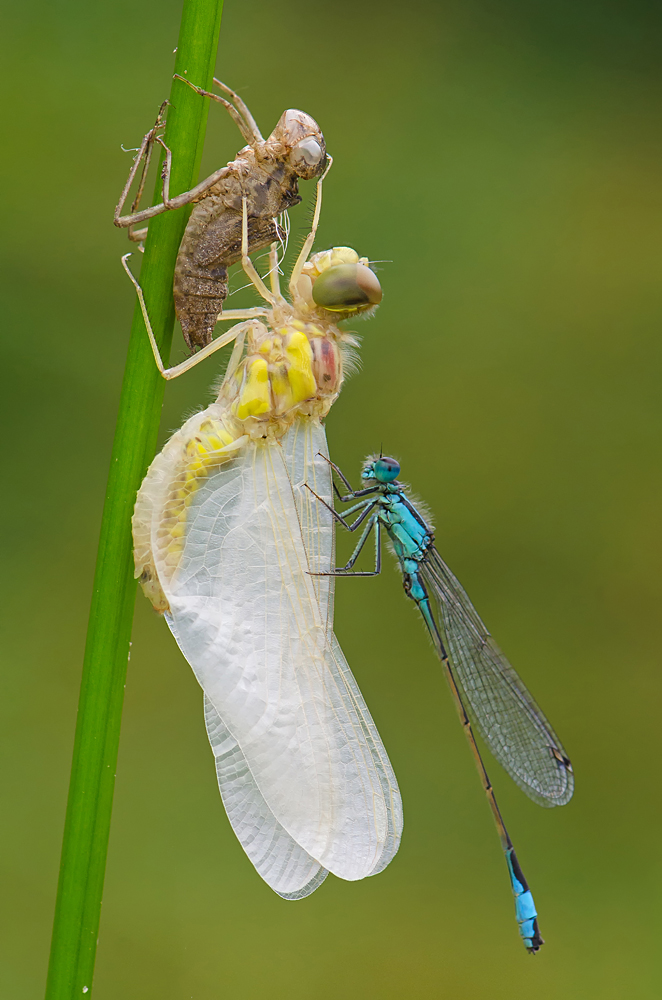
[
  {"x": 306, "y": 157},
  {"x": 347, "y": 288}
]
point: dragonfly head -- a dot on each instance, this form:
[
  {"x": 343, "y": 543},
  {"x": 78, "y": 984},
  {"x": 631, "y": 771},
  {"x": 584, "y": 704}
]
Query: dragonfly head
[
  {"x": 380, "y": 469},
  {"x": 340, "y": 282}
]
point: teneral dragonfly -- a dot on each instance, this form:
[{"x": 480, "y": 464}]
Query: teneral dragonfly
[
  {"x": 265, "y": 173},
  {"x": 227, "y": 542}
]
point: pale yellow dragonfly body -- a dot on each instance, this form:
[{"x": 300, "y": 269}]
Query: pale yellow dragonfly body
[{"x": 227, "y": 541}]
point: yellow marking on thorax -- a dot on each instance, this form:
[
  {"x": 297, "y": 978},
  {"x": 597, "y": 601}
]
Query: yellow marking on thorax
[
  {"x": 255, "y": 393},
  {"x": 299, "y": 371},
  {"x": 277, "y": 376}
]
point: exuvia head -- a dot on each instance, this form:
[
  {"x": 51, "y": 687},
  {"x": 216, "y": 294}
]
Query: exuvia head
[
  {"x": 298, "y": 136},
  {"x": 340, "y": 282},
  {"x": 380, "y": 469}
]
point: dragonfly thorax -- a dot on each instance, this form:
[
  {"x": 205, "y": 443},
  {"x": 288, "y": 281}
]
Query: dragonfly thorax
[
  {"x": 293, "y": 365},
  {"x": 292, "y": 370}
]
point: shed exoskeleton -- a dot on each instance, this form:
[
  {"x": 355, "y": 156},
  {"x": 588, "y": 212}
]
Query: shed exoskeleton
[{"x": 265, "y": 174}]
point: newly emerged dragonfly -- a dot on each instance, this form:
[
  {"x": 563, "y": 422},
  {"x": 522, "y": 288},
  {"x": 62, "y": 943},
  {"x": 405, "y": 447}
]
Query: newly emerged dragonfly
[
  {"x": 486, "y": 690},
  {"x": 265, "y": 174},
  {"x": 226, "y": 538}
]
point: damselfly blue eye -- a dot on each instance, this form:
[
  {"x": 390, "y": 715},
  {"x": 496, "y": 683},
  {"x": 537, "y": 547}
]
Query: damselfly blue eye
[{"x": 386, "y": 470}]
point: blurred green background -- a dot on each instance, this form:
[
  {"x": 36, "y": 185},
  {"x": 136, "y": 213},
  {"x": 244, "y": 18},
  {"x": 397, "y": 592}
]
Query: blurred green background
[{"x": 504, "y": 158}]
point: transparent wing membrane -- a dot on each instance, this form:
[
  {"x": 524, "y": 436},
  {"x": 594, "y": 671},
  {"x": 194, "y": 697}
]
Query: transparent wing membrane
[
  {"x": 516, "y": 731},
  {"x": 303, "y": 773},
  {"x": 277, "y": 857},
  {"x": 303, "y": 447}
]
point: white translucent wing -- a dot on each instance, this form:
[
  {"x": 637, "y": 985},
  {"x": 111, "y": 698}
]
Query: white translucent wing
[
  {"x": 247, "y": 618},
  {"x": 306, "y": 453},
  {"x": 280, "y": 861},
  {"x": 277, "y": 857},
  {"x": 305, "y": 450}
]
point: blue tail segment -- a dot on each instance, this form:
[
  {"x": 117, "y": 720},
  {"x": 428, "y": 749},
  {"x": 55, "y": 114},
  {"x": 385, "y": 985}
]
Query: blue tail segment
[{"x": 525, "y": 908}]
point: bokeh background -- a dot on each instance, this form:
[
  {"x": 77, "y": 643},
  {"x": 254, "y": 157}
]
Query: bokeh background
[{"x": 503, "y": 157}]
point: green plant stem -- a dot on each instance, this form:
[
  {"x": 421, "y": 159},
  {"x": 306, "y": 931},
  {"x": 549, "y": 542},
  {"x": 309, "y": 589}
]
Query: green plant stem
[{"x": 87, "y": 824}]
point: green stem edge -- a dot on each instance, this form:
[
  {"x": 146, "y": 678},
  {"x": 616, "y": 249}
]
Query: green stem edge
[{"x": 89, "y": 805}]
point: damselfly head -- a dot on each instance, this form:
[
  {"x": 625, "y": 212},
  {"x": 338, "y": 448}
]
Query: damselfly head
[
  {"x": 382, "y": 469},
  {"x": 298, "y": 137}
]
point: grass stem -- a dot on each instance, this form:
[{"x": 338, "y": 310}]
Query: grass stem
[{"x": 87, "y": 824}]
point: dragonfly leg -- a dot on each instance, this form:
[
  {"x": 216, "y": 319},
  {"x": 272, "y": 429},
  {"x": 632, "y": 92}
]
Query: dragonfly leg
[
  {"x": 241, "y": 107},
  {"x": 138, "y": 236},
  {"x": 254, "y": 313},
  {"x": 310, "y": 238},
  {"x": 235, "y": 357},
  {"x": 358, "y": 493},
  {"x": 168, "y": 204},
  {"x": 352, "y": 493},
  {"x": 248, "y": 265},
  {"x": 274, "y": 270},
  {"x": 370, "y": 506},
  {"x": 166, "y": 171},
  {"x": 235, "y": 332},
  {"x": 346, "y": 570}
]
